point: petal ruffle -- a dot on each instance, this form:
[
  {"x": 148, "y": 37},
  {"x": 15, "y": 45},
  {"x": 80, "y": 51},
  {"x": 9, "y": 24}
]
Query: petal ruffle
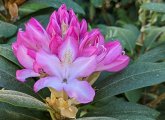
[
  {"x": 21, "y": 75},
  {"x": 52, "y": 82},
  {"x": 80, "y": 90}
]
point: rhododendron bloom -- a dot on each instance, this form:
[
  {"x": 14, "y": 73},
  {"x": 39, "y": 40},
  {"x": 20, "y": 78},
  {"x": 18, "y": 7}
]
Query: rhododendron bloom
[{"x": 66, "y": 53}]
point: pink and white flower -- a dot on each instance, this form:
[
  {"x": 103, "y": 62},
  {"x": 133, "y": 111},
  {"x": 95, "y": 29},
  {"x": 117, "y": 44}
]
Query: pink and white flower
[{"x": 64, "y": 53}]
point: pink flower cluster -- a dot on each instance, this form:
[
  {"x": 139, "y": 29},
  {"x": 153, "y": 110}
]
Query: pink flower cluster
[{"x": 64, "y": 53}]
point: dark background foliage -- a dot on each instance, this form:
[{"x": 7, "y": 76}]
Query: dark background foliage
[{"x": 136, "y": 93}]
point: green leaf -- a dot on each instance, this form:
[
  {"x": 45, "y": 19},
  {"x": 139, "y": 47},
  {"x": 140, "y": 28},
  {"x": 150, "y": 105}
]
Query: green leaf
[
  {"x": 28, "y": 8},
  {"x": 21, "y": 99},
  {"x": 14, "y": 93},
  {"x": 136, "y": 76},
  {"x": 7, "y": 29},
  {"x": 103, "y": 76},
  {"x": 9, "y": 111},
  {"x": 125, "y": 36},
  {"x": 12, "y": 115},
  {"x": 134, "y": 95},
  {"x": 8, "y": 78},
  {"x": 161, "y": 109},
  {"x": 153, "y": 55},
  {"x": 163, "y": 18},
  {"x": 97, "y": 118},
  {"x": 152, "y": 36},
  {"x": 71, "y": 4},
  {"x": 32, "y": 4},
  {"x": 132, "y": 28},
  {"x": 42, "y": 18},
  {"x": 97, "y": 3},
  {"x": 6, "y": 51},
  {"x": 122, "y": 110},
  {"x": 157, "y": 7}
]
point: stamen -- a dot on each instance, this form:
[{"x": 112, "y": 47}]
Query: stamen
[
  {"x": 42, "y": 73},
  {"x": 64, "y": 28},
  {"x": 68, "y": 57}
]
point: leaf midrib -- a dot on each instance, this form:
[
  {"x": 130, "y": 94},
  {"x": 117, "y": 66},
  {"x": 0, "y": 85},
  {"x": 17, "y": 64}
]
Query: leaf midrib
[{"x": 128, "y": 77}]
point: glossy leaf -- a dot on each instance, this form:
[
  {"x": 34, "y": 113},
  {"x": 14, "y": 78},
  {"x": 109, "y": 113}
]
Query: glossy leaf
[
  {"x": 126, "y": 36},
  {"x": 6, "y": 51},
  {"x": 134, "y": 95},
  {"x": 97, "y": 3},
  {"x": 8, "y": 79},
  {"x": 157, "y": 7},
  {"x": 20, "y": 99},
  {"x": 7, "y": 29},
  {"x": 136, "y": 76},
  {"x": 153, "y": 55},
  {"x": 34, "y": 5},
  {"x": 122, "y": 110},
  {"x": 152, "y": 36},
  {"x": 10, "y": 112},
  {"x": 28, "y": 8},
  {"x": 12, "y": 115}
]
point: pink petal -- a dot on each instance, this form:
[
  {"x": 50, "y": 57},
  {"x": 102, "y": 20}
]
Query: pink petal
[
  {"x": 53, "y": 82},
  {"x": 93, "y": 38},
  {"x": 63, "y": 14},
  {"x": 14, "y": 48},
  {"x": 49, "y": 63},
  {"x": 31, "y": 53},
  {"x": 55, "y": 43},
  {"x": 80, "y": 90},
  {"x": 62, "y": 7},
  {"x": 33, "y": 22},
  {"x": 21, "y": 75},
  {"x": 23, "y": 57},
  {"x": 87, "y": 52},
  {"x": 95, "y": 35},
  {"x": 23, "y": 38},
  {"x": 73, "y": 32},
  {"x": 115, "y": 50},
  {"x": 74, "y": 22},
  {"x": 36, "y": 32},
  {"x": 37, "y": 68},
  {"x": 83, "y": 67},
  {"x": 68, "y": 50},
  {"x": 53, "y": 27},
  {"x": 71, "y": 14},
  {"x": 117, "y": 65},
  {"x": 83, "y": 28}
]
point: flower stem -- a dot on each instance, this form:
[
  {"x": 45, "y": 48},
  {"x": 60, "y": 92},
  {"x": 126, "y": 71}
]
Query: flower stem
[{"x": 52, "y": 115}]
